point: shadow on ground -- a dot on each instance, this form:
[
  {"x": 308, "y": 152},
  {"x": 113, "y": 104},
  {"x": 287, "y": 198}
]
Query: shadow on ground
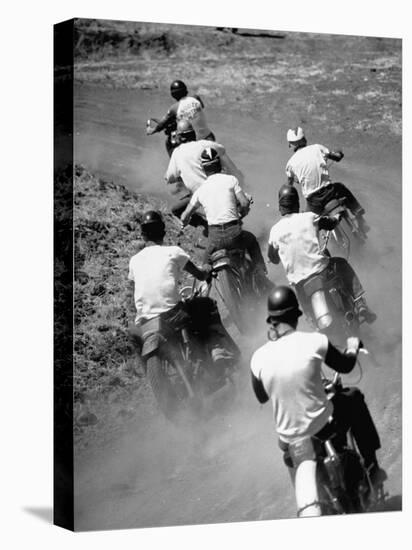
[
  {"x": 42, "y": 512},
  {"x": 391, "y": 504},
  {"x": 234, "y": 30}
]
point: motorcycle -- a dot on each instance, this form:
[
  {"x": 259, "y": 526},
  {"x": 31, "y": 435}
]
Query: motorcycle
[
  {"x": 171, "y": 140},
  {"x": 346, "y": 232},
  {"x": 329, "y": 306},
  {"x": 334, "y": 480},
  {"x": 236, "y": 286},
  {"x": 177, "y": 358}
]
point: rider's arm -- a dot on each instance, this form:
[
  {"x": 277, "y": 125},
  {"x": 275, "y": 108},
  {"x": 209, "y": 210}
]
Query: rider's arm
[
  {"x": 190, "y": 208},
  {"x": 341, "y": 361},
  {"x": 290, "y": 176},
  {"x": 243, "y": 201},
  {"x": 199, "y": 100},
  {"x": 259, "y": 389},
  {"x": 273, "y": 254},
  {"x": 337, "y": 156},
  {"x": 327, "y": 222},
  {"x": 199, "y": 273},
  {"x": 169, "y": 117}
]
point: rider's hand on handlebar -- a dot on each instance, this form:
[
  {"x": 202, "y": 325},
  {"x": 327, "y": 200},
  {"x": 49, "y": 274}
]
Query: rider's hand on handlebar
[
  {"x": 150, "y": 126},
  {"x": 208, "y": 272},
  {"x": 353, "y": 345}
]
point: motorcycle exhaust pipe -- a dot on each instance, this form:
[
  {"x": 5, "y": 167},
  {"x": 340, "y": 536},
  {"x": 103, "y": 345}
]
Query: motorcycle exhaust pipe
[{"x": 321, "y": 310}]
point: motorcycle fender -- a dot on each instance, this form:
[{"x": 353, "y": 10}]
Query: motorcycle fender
[
  {"x": 151, "y": 344},
  {"x": 221, "y": 264}
]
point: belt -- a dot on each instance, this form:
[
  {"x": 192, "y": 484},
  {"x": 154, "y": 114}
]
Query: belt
[{"x": 225, "y": 225}]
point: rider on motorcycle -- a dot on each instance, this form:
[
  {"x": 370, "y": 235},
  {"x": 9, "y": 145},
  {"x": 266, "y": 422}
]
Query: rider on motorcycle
[
  {"x": 156, "y": 270},
  {"x": 294, "y": 241},
  {"x": 308, "y": 166},
  {"x": 224, "y": 203},
  {"x": 287, "y": 370},
  {"x": 185, "y": 166},
  {"x": 186, "y": 107}
]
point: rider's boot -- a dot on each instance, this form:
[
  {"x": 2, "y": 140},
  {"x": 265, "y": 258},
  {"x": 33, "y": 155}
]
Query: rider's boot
[
  {"x": 363, "y": 226},
  {"x": 364, "y": 311},
  {"x": 222, "y": 362},
  {"x": 377, "y": 475},
  {"x": 263, "y": 283}
]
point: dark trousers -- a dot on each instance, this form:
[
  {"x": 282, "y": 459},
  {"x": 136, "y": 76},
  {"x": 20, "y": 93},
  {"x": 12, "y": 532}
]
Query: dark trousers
[
  {"x": 317, "y": 201},
  {"x": 232, "y": 237},
  {"x": 202, "y": 315},
  {"x": 337, "y": 267},
  {"x": 350, "y": 411}
]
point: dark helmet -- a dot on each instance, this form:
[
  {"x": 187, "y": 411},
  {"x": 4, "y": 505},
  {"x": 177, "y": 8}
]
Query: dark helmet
[
  {"x": 152, "y": 225},
  {"x": 185, "y": 131},
  {"x": 210, "y": 161},
  {"x": 178, "y": 89},
  {"x": 288, "y": 199},
  {"x": 282, "y": 304}
]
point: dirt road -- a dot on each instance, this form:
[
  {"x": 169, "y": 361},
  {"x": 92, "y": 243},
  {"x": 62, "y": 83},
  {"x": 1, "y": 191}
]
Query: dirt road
[{"x": 231, "y": 469}]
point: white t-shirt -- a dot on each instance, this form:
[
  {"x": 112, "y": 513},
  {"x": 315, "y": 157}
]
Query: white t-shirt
[
  {"x": 191, "y": 109},
  {"x": 290, "y": 371},
  {"x": 155, "y": 271},
  {"x": 296, "y": 238},
  {"x": 218, "y": 197},
  {"x": 308, "y": 167},
  {"x": 185, "y": 162}
]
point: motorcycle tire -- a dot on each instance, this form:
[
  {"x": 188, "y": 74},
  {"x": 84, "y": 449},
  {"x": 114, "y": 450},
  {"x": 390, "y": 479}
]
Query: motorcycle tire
[
  {"x": 229, "y": 291},
  {"x": 164, "y": 391}
]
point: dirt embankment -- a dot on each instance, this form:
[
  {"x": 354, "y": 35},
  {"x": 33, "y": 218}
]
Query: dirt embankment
[{"x": 107, "y": 235}]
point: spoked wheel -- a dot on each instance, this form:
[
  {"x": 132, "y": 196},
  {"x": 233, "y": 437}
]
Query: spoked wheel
[{"x": 172, "y": 392}]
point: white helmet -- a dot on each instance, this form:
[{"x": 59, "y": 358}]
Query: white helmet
[{"x": 295, "y": 135}]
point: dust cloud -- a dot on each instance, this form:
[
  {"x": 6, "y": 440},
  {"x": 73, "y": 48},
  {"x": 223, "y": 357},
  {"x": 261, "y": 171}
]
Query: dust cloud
[{"x": 228, "y": 468}]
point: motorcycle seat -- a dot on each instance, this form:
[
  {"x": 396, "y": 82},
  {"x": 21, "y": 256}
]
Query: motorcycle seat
[
  {"x": 324, "y": 280},
  {"x": 331, "y": 205},
  {"x": 314, "y": 283},
  {"x": 225, "y": 253}
]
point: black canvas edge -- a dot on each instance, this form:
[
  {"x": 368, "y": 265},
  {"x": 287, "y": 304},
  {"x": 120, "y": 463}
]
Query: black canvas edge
[{"x": 63, "y": 477}]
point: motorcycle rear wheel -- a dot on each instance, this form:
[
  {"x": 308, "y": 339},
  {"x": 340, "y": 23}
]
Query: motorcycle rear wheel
[
  {"x": 169, "y": 400},
  {"x": 229, "y": 292}
]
